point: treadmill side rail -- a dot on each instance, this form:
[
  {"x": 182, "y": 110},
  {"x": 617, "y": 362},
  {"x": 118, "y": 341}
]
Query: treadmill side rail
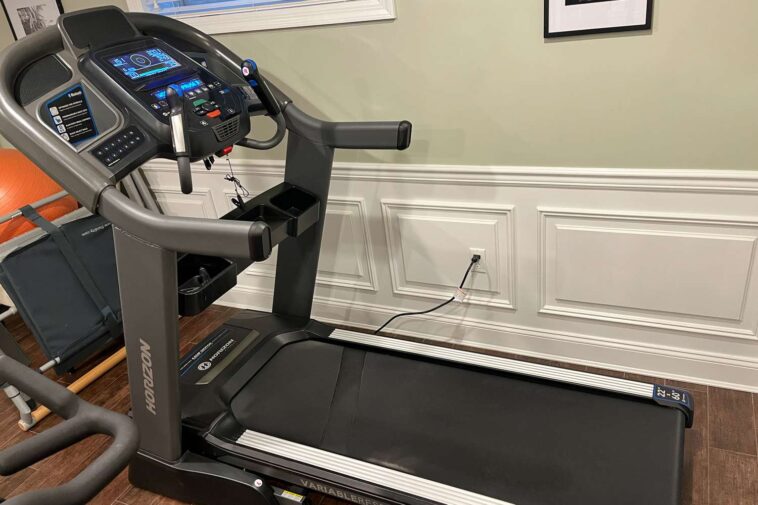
[
  {"x": 663, "y": 395},
  {"x": 413, "y": 485},
  {"x": 546, "y": 372}
]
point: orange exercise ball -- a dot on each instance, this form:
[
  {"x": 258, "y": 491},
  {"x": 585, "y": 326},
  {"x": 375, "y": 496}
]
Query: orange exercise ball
[{"x": 22, "y": 183}]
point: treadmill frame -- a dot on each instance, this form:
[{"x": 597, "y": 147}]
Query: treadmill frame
[
  {"x": 356, "y": 480},
  {"x": 148, "y": 280}
]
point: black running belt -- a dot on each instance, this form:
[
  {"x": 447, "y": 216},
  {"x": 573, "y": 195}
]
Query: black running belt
[{"x": 520, "y": 440}]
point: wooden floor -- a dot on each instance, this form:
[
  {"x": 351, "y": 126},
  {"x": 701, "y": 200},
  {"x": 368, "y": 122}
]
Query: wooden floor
[{"x": 721, "y": 465}]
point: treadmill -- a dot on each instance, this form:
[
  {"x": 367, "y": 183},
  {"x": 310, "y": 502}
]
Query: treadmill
[{"x": 274, "y": 398}]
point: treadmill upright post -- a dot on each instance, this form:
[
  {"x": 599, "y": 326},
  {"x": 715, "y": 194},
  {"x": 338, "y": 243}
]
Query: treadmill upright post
[
  {"x": 148, "y": 279},
  {"x": 309, "y": 166}
]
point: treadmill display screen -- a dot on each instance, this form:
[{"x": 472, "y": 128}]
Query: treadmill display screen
[{"x": 140, "y": 64}]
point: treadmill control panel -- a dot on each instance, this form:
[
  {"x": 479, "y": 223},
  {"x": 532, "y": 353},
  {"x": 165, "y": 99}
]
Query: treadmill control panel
[
  {"x": 119, "y": 146},
  {"x": 145, "y": 69},
  {"x": 200, "y": 96},
  {"x": 134, "y": 76}
]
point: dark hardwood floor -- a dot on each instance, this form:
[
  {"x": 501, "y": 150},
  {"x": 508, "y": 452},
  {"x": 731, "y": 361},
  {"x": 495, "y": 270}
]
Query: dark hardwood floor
[{"x": 721, "y": 465}]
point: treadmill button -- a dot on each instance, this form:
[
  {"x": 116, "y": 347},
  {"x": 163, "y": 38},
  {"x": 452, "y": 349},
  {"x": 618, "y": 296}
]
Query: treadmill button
[
  {"x": 214, "y": 113},
  {"x": 155, "y": 105}
]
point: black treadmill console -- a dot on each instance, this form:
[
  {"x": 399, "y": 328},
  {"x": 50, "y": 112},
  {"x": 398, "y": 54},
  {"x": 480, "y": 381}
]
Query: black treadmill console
[{"x": 140, "y": 71}]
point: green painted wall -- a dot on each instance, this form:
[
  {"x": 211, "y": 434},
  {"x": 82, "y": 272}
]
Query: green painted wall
[{"x": 483, "y": 87}]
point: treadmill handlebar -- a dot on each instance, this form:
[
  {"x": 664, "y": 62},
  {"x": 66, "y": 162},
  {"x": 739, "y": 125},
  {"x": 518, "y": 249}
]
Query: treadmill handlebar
[
  {"x": 349, "y": 135},
  {"x": 210, "y": 237},
  {"x": 75, "y": 174}
]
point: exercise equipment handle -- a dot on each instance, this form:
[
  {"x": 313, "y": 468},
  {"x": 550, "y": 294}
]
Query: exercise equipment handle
[
  {"x": 82, "y": 420},
  {"x": 179, "y": 136},
  {"x": 260, "y": 87},
  {"x": 350, "y": 135}
]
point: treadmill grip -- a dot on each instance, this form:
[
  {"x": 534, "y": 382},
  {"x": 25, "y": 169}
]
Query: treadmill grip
[{"x": 350, "y": 135}]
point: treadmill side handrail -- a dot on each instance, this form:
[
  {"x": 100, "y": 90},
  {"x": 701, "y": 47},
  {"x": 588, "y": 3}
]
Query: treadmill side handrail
[
  {"x": 212, "y": 237},
  {"x": 75, "y": 174},
  {"x": 349, "y": 135}
]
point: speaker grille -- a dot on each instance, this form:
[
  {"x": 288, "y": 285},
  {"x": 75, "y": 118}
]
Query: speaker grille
[{"x": 227, "y": 129}]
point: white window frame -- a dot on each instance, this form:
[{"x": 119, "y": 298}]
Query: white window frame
[{"x": 312, "y": 13}]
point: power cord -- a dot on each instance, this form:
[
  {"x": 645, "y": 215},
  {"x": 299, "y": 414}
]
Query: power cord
[{"x": 474, "y": 260}]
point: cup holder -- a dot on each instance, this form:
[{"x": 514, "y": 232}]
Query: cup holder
[
  {"x": 202, "y": 281},
  {"x": 294, "y": 201},
  {"x": 286, "y": 209},
  {"x": 263, "y": 213}
]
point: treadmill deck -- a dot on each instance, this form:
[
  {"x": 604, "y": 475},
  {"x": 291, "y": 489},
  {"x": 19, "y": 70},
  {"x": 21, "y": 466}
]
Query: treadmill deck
[{"x": 513, "y": 438}]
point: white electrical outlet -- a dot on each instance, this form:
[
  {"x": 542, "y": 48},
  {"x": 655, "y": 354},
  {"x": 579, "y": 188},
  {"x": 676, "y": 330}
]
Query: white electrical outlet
[{"x": 481, "y": 265}]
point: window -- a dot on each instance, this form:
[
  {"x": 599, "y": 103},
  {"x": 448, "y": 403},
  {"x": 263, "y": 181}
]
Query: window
[{"x": 226, "y": 16}]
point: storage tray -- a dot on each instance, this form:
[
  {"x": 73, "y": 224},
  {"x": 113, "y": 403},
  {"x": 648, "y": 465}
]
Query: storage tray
[{"x": 202, "y": 281}]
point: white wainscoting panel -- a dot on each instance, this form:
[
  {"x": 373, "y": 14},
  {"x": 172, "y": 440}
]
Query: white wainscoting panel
[
  {"x": 173, "y": 201},
  {"x": 664, "y": 271},
  {"x": 645, "y": 271},
  {"x": 430, "y": 243}
]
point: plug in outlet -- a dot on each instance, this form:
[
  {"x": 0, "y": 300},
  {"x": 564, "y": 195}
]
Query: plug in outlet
[{"x": 481, "y": 265}]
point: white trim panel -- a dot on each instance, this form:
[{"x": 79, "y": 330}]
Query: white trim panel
[
  {"x": 659, "y": 270},
  {"x": 429, "y": 244}
]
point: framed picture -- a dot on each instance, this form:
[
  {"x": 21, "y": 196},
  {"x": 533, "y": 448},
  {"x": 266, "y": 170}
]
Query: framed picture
[
  {"x": 29, "y": 16},
  {"x": 581, "y": 17}
]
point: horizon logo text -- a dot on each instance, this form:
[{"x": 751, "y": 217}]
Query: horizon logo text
[{"x": 147, "y": 376}]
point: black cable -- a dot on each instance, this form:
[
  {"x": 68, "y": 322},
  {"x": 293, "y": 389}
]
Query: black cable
[
  {"x": 474, "y": 259},
  {"x": 238, "y": 187}
]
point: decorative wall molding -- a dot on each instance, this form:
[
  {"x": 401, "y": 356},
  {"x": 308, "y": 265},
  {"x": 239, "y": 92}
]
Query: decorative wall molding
[
  {"x": 200, "y": 199},
  {"x": 643, "y": 179},
  {"x": 705, "y": 320},
  {"x": 482, "y": 225}
]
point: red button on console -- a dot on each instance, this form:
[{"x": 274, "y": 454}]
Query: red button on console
[{"x": 214, "y": 113}]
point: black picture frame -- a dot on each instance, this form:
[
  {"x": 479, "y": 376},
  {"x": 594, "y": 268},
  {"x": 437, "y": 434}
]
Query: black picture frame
[
  {"x": 57, "y": 3},
  {"x": 647, "y": 25}
]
